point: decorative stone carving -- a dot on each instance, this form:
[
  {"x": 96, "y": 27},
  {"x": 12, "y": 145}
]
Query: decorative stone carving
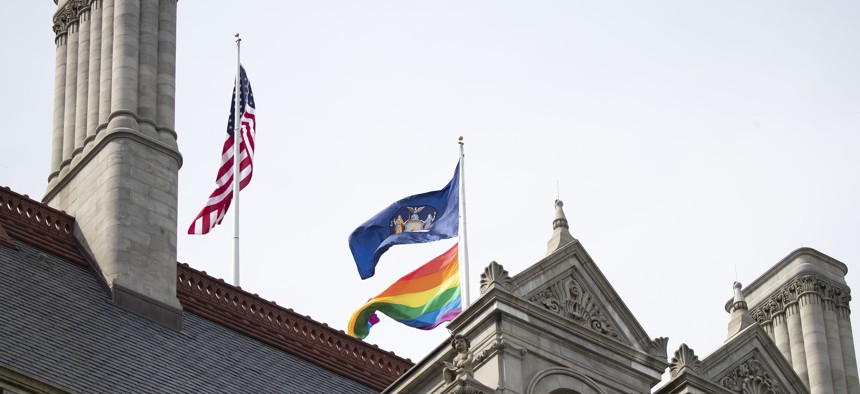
[
  {"x": 790, "y": 292},
  {"x": 495, "y": 273},
  {"x": 69, "y": 15},
  {"x": 685, "y": 359},
  {"x": 750, "y": 377},
  {"x": 659, "y": 347},
  {"x": 461, "y": 365},
  {"x": 497, "y": 345},
  {"x": 568, "y": 299},
  {"x": 467, "y": 386}
]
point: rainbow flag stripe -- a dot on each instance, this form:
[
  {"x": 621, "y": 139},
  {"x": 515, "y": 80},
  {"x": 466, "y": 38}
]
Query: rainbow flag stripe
[{"x": 423, "y": 299}]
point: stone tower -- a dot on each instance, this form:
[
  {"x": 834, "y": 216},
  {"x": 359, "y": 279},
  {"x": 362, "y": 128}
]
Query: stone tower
[
  {"x": 802, "y": 305},
  {"x": 115, "y": 161}
]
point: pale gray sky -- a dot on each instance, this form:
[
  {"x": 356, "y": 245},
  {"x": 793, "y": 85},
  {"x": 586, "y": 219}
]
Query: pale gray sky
[{"x": 693, "y": 143}]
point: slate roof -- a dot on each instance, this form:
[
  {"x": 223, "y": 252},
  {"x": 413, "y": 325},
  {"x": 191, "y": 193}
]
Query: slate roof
[{"x": 57, "y": 323}]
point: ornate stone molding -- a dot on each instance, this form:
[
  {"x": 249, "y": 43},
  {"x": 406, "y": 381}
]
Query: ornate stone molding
[
  {"x": 495, "y": 347},
  {"x": 568, "y": 299},
  {"x": 685, "y": 359},
  {"x": 794, "y": 289},
  {"x": 467, "y": 386},
  {"x": 495, "y": 273},
  {"x": 750, "y": 377},
  {"x": 70, "y": 14}
]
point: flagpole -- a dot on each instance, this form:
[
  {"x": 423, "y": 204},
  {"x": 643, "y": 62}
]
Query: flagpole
[
  {"x": 237, "y": 141},
  {"x": 463, "y": 242}
]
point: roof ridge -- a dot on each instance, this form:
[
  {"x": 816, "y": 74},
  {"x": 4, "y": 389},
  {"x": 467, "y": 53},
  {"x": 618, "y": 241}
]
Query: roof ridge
[{"x": 283, "y": 328}]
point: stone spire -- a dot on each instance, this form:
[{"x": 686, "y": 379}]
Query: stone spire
[
  {"x": 560, "y": 230},
  {"x": 741, "y": 317}
]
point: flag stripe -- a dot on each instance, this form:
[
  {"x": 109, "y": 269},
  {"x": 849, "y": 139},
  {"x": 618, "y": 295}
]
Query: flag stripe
[{"x": 424, "y": 298}]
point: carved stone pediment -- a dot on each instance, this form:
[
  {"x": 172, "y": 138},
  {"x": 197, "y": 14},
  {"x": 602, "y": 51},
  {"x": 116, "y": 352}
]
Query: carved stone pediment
[
  {"x": 567, "y": 298},
  {"x": 750, "y": 377}
]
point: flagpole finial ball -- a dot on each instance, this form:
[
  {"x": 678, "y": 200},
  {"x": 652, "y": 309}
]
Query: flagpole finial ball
[{"x": 460, "y": 138}]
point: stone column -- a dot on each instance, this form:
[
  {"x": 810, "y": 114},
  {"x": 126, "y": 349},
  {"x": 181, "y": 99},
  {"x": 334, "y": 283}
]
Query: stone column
[
  {"x": 834, "y": 344},
  {"x": 764, "y": 319},
  {"x": 106, "y": 72},
  {"x": 843, "y": 316},
  {"x": 166, "y": 105},
  {"x": 814, "y": 335},
  {"x": 780, "y": 335},
  {"x": 148, "y": 67},
  {"x": 59, "y": 102},
  {"x": 795, "y": 338},
  {"x": 82, "y": 82},
  {"x": 126, "y": 54},
  {"x": 93, "y": 89},
  {"x": 71, "y": 95}
]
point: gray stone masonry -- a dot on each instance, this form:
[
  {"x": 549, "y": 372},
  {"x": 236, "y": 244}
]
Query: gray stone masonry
[{"x": 115, "y": 162}]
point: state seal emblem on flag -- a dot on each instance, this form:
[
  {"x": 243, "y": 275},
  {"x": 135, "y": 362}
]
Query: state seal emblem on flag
[{"x": 408, "y": 220}]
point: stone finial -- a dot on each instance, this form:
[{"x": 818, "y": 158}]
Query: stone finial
[
  {"x": 659, "y": 347},
  {"x": 461, "y": 365},
  {"x": 685, "y": 360},
  {"x": 740, "y": 301},
  {"x": 741, "y": 317},
  {"x": 495, "y": 274},
  {"x": 560, "y": 230}
]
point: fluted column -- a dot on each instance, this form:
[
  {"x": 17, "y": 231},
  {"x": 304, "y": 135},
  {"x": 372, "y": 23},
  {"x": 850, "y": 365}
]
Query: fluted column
[
  {"x": 166, "y": 72},
  {"x": 71, "y": 95},
  {"x": 59, "y": 102},
  {"x": 148, "y": 67},
  {"x": 814, "y": 336},
  {"x": 82, "y": 82},
  {"x": 93, "y": 89},
  {"x": 843, "y": 316},
  {"x": 780, "y": 335},
  {"x": 834, "y": 345},
  {"x": 106, "y": 61},
  {"x": 795, "y": 338},
  {"x": 125, "y": 75}
]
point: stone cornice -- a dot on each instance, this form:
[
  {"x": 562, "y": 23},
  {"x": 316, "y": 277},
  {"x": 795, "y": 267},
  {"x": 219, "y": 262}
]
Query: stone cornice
[
  {"x": 798, "y": 286},
  {"x": 104, "y": 139},
  {"x": 799, "y": 257}
]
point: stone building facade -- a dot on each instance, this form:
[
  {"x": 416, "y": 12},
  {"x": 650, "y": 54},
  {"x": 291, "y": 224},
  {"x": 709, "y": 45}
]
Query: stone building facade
[
  {"x": 93, "y": 299},
  {"x": 560, "y": 328}
]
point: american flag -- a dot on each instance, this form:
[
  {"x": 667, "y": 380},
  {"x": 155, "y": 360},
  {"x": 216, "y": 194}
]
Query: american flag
[{"x": 215, "y": 209}]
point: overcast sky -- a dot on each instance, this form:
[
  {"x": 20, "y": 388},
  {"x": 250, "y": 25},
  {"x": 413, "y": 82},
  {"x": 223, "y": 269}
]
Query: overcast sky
[{"x": 693, "y": 143}]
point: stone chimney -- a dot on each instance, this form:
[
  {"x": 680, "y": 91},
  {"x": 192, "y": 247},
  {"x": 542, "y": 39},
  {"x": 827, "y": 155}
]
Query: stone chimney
[{"x": 115, "y": 161}]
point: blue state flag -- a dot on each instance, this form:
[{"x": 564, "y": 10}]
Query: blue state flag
[{"x": 424, "y": 217}]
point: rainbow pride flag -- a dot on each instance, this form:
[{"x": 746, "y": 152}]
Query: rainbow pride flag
[{"x": 423, "y": 299}]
